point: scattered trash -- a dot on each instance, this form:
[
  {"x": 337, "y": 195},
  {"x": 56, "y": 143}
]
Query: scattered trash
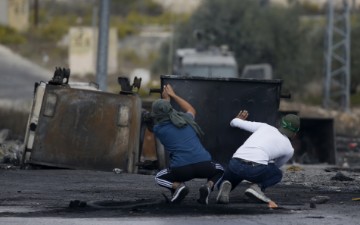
[
  {"x": 8, "y": 167},
  {"x": 294, "y": 168},
  {"x": 148, "y": 165},
  {"x": 10, "y": 150},
  {"x": 319, "y": 199},
  {"x": 352, "y": 145},
  {"x": 341, "y": 177},
  {"x": 331, "y": 169},
  {"x": 117, "y": 170},
  {"x": 345, "y": 164}
]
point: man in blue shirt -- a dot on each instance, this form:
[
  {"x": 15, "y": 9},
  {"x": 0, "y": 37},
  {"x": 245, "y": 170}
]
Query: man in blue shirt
[{"x": 179, "y": 134}]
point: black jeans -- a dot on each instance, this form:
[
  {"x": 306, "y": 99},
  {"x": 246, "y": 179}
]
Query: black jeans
[
  {"x": 264, "y": 175},
  {"x": 210, "y": 170}
]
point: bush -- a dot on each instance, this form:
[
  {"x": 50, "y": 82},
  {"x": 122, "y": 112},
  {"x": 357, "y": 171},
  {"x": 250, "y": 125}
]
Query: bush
[
  {"x": 125, "y": 29},
  {"x": 52, "y": 31},
  {"x": 355, "y": 100},
  {"x": 10, "y": 36}
]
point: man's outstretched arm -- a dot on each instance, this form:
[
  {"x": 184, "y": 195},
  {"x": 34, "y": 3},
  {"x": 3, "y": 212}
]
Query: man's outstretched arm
[{"x": 184, "y": 105}]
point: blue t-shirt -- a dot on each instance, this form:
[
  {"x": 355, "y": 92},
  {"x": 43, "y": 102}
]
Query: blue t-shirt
[{"x": 183, "y": 144}]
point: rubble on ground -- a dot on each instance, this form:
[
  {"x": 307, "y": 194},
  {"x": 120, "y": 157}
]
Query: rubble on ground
[
  {"x": 322, "y": 177},
  {"x": 10, "y": 150},
  {"x": 320, "y": 199},
  {"x": 341, "y": 177}
]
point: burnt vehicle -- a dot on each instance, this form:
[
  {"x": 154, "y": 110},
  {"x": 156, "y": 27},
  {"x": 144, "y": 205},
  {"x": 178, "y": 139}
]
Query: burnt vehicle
[{"x": 75, "y": 125}]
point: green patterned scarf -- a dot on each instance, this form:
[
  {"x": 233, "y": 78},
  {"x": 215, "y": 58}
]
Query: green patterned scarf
[{"x": 163, "y": 111}]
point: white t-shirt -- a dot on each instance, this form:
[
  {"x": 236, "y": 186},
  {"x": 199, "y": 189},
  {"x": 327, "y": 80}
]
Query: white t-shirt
[{"x": 264, "y": 145}]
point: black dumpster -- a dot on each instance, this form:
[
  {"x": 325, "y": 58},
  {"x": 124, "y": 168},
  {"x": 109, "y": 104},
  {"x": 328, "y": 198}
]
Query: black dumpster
[{"x": 218, "y": 100}]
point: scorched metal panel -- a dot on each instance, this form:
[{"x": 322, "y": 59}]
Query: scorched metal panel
[{"x": 86, "y": 129}]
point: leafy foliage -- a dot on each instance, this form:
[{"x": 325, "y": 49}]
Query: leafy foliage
[
  {"x": 10, "y": 36},
  {"x": 53, "y": 30},
  {"x": 355, "y": 54},
  {"x": 256, "y": 33},
  {"x": 144, "y": 7}
]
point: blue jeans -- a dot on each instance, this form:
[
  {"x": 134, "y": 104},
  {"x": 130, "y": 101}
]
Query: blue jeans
[{"x": 263, "y": 175}]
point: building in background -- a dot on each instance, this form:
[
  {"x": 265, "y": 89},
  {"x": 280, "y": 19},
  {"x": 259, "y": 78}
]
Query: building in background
[
  {"x": 319, "y": 3},
  {"x": 15, "y": 14},
  {"x": 176, "y": 6},
  {"x": 188, "y": 6},
  {"x": 83, "y": 50}
]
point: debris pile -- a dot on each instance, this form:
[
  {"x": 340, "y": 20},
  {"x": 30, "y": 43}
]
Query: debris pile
[
  {"x": 10, "y": 150},
  {"x": 339, "y": 176}
]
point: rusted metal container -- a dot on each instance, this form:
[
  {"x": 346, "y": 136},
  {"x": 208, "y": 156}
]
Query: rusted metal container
[
  {"x": 83, "y": 129},
  {"x": 218, "y": 100},
  {"x": 317, "y": 141}
]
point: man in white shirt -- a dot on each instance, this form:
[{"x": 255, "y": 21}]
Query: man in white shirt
[{"x": 258, "y": 160}]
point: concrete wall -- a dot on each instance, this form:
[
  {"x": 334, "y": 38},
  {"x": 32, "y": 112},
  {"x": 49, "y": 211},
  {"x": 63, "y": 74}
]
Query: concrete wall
[
  {"x": 83, "y": 50},
  {"x": 183, "y": 6},
  {"x": 338, "y": 3},
  {"x": 19, "y": 14},
  {"x": 15, "y": 14},
  {"x": 4, "y": 13}
]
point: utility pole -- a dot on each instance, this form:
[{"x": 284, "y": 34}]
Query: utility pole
[
  {"x": 103, "y": 43},
  {"x": 36, "y": 13},
  {"x": 337, "y": 58}
]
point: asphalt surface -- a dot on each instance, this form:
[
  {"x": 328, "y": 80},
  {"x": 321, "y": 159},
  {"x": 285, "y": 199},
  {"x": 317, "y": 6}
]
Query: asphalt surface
[
  {"x": 60, "y": 196},
  {"x": 18, "y": 76}
]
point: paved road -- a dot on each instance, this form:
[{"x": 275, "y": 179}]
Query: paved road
[
  {"x": 44, "y": 196},
  {"x": 183, "y": 220}
]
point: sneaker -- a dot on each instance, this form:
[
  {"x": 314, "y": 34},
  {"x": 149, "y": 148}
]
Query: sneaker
[
  {"x": 204, "y": 195},
  {"x": 255, "y": 192},
  {"x": 180, "y": 193},
  {"x": 224, "y": 192}
]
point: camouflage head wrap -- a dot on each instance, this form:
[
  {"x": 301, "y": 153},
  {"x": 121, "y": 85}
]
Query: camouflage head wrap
[{"x": 163, "y": 111}]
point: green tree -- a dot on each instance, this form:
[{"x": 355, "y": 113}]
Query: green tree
[
  {"x": 355, "y": 54},
  {"x": 256, "y": 33}
]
